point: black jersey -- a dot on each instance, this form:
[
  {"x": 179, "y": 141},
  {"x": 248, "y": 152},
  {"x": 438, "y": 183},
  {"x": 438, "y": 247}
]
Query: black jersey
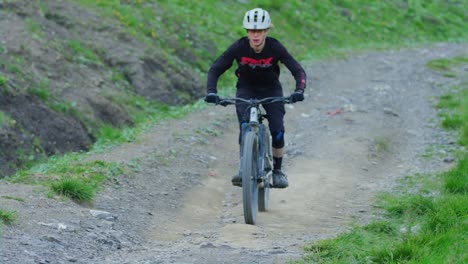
[{"x": 258, "y": 71}]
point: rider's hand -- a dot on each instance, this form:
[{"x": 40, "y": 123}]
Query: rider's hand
[
  {"x": 297, "y": 96},
  {"x": 212, "y": 98}
]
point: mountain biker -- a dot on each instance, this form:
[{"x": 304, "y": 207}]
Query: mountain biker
[{"x": 257, "y": 57}]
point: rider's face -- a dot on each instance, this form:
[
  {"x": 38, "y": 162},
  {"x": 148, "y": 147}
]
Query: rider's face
[{"x": 256, "y": 36}]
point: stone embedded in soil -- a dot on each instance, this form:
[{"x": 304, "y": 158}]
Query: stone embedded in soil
[{"x": 103, "y": 215}]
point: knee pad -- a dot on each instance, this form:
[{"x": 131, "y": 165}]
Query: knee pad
[{"x": 277, "y": 138}]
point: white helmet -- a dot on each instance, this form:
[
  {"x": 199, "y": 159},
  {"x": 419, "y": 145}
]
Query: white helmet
[{"x": 257, "y": 18}]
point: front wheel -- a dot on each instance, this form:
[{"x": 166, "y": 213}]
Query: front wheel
[
  {"x": 249, "y": 174},
  {"x": 264, "y": 191}
]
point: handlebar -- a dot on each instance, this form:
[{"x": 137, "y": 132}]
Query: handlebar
[{"x": 253, "y": 101}]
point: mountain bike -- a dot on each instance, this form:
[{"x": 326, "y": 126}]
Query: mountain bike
[{"x": 256, "y": 162}]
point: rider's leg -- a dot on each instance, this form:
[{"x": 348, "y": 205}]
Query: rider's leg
[
  {"x": 277, "y": 158},
  {"x": 277, "y": 148},
  {"x": 275, "y": 115},
  {"x": 279, "y": 178}
]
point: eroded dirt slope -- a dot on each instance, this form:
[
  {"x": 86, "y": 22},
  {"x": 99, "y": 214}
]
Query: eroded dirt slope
[{"x": 66, "y": 70}]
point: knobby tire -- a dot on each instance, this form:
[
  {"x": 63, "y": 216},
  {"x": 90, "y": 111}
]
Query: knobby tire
[
  {"x": 264, "y": 192},
  {"x": 249, "y": 171}
]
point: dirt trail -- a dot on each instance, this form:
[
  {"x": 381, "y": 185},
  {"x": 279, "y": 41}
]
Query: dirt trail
[{"x": 365, "y": 123}]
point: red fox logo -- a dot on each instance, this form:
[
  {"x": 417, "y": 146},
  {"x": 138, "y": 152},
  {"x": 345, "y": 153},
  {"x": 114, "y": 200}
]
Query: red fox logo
[{"x": 256, "y": 63}]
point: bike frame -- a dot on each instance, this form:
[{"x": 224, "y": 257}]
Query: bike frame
[
  {"x": 255, "y": 123},
  {"x": 256, "y": 164}
]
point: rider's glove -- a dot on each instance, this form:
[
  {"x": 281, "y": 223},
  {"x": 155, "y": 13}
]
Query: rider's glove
[
  {"x": 212, "y": 98},
  {"x": 297, "y": 96}
]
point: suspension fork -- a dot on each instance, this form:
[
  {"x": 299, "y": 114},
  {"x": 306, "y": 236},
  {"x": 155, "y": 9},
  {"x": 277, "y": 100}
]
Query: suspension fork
[{"x": 252, "y": 125}]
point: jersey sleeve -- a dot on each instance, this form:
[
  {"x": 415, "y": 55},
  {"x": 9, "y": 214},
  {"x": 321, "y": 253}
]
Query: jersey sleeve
[
  {"x": 221, "y": 65},
  {"x": 293, "y": 66}
]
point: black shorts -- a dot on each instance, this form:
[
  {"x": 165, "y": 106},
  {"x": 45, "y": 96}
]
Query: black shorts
[{"x": 275, "y": 111}]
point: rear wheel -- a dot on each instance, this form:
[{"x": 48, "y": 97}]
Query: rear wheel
[
  {"x": 264, "y": 191},
  {"x": 263, "y": 196},
  {"x": 249, "y": 171}
]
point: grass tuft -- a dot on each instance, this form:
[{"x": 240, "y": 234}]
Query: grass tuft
[
  {"x": 19, "y": 199},
  {"x": 456, "y": 180},
  {"x": 381, "y": 227},
  {"x": 447, "y": 215},
  {"x": 77, "y": 189},
  {"x": 3, "y": 80},
  {"x": 382, "y": 144},
  {"x": 7, "y": 217},
  {"x": 77, "y": 179},
  {"x": 412, "y": 204}
]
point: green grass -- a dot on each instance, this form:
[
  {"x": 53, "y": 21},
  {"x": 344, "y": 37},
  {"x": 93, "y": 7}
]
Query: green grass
[
  {"x": 453, "y": 106},
  {"x": 451, "y": 121},
  {"x": 6, "y": 120},
  {"x": 425, "y": 220},
  {"x": 77, "y": 189},
  {"x": 448, "y": 101},
  {"x": 3, "y": 80},
  {"x": 309, "y": 29},
  {"x": 416, "y": 229},
  {"x": 43, "y": 94},
  {"x": 79, "y": 180},
  {"x": 7, "y": 217},
  {"x": 19, "y": 199},
  {"x": 34, "y": 28},
  {"x": 3, "y": 117},
  {"x": 83, "y": 54},
  {"x": 456, "y": 180},
  {"x": 145, "y": 114},
  {"x": 445, "y": 66},
  {"x": 382, "y": 144},
  {"x": 70, "y": 175}
]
